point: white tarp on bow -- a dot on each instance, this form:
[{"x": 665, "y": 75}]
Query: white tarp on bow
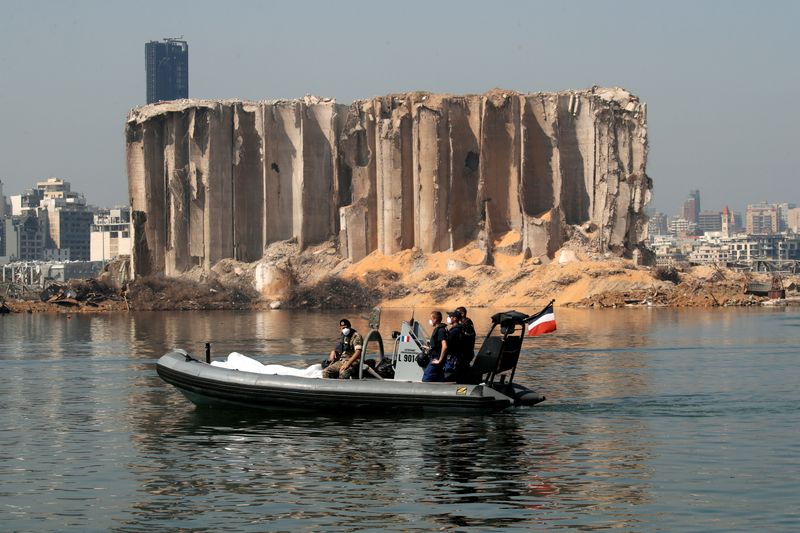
[{"x": 237, "y": 361}]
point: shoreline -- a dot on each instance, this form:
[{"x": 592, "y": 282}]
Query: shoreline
[
  {"x": 611, "y": 301},
  {"x": 318, "y": 278}
]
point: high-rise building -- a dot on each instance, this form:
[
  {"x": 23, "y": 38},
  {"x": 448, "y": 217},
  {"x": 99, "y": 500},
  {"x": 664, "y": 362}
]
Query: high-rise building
[
  {"x": 69, "y": 227},
  {"x": 657, "y": 225},
  {"x": 793, "y": 219},
  {"x": 25, "y": 237},
  {"x": 783, "y": 215},
  {"x": 167, "y": 66},
  {"x": 763, "y": 219},
  {"x": 69, "y": 218},
  {"x": 691, "y": 206}
]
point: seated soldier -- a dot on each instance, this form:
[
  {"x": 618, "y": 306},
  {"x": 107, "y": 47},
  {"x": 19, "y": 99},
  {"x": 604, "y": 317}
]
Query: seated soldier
[{"x": 345, "y": 358}]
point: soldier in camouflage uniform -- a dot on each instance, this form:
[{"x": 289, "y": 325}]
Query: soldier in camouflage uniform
[{"x": 345, "y": 358}]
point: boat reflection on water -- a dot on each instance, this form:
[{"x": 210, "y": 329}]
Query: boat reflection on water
[{"x": 480, "y": 472}]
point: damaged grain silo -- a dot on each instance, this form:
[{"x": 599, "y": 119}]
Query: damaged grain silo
[{"x": 210, "y": 180}]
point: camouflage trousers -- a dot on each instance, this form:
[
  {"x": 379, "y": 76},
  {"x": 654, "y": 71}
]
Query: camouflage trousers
[{"x": 332, "y": 370}]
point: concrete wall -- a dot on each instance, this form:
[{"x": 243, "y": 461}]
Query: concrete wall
[{"x": 216, "y": 179}]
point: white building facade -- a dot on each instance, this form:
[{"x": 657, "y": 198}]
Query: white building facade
[{"x": 111, "y": 234}]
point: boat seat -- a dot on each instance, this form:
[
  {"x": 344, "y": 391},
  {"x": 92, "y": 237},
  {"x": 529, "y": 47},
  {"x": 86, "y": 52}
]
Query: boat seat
[
  {"x": 510, "y": 356},
  {"x": 496, "y": 356},
  {"x": 486, "y": 359}
]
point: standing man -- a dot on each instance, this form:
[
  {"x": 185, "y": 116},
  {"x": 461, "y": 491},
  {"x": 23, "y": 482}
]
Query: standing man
[
  {"x": 456, "y": 368},
  {"x": 469, "y": 335},
  {"x": 437, "y": 349},
  {"x": 345, "y": 358}
]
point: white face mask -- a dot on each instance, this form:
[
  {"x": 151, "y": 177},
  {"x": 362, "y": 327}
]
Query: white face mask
[
  {"x": 345, "y": 331},
  {"x": 430, "y": 321},
  {"x": 449, "y": 320}
]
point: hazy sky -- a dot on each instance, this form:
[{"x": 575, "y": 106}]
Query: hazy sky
[{"x": 719, "y": 78}]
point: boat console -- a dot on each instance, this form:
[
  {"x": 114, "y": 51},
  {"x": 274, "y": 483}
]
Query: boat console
[{"x": 494, "y": 365}]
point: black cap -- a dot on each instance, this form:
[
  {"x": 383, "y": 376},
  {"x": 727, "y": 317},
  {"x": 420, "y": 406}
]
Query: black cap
[
  {"x": 455, "y": 313},
  {"x": 344, "y": 323}
]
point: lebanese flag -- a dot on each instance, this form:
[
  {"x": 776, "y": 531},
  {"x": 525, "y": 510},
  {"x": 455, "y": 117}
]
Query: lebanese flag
[{"x": 542, "y": 322}]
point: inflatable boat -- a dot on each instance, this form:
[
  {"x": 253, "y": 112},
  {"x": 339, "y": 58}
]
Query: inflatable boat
[{"x": 490, "y": 387}]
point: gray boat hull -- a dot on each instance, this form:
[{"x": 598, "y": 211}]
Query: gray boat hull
[{"x": 207, "y": 385}]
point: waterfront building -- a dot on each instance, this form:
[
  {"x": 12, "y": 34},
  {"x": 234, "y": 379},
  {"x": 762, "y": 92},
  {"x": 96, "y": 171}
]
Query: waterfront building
[
  {"x": 741, "y": 248},
  {"x": 24, "y": 237},
  {"x": 762, "y": 219},
  {"x": 70, "y": 219},
  {"x": 709, "y": 253},
  {"x": 715, "y": 247},
  {"x": 167, "y": 70},
  {"x": 110, "y": 234},
  {"x": 67, "y": 222},
  {"x": 70, "y": 226},
  {"x": 38, "y": 274}
]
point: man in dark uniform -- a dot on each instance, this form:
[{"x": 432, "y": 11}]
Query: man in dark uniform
[
  {"x": 345, "y": 358},
  {"x": 437, "y": 349},
  {"x": 457, "y": 366},
  {"x": 469, "y": 334}
]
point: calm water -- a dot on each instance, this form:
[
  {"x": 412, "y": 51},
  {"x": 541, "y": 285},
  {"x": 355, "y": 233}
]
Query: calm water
[{"x": 671, "y": 420}]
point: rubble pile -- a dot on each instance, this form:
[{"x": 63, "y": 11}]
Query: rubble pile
[
  {"x": 318, "y": 278},
  {"x": 333, "y": 293},
  {"x": 75, "y": 293},
  {"x": 158, "y": 293},
  {"x": 696, "y": 287}
]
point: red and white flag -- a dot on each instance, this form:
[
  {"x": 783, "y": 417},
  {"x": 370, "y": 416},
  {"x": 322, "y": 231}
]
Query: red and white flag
[{"x": 542, "y": 322}]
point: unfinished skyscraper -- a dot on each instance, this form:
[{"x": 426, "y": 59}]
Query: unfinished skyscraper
[{"x": 167, "y": 66}]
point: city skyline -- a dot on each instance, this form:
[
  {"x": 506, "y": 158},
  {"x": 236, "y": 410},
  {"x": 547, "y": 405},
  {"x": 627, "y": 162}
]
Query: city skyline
[{"x": 75, "y": 73}]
